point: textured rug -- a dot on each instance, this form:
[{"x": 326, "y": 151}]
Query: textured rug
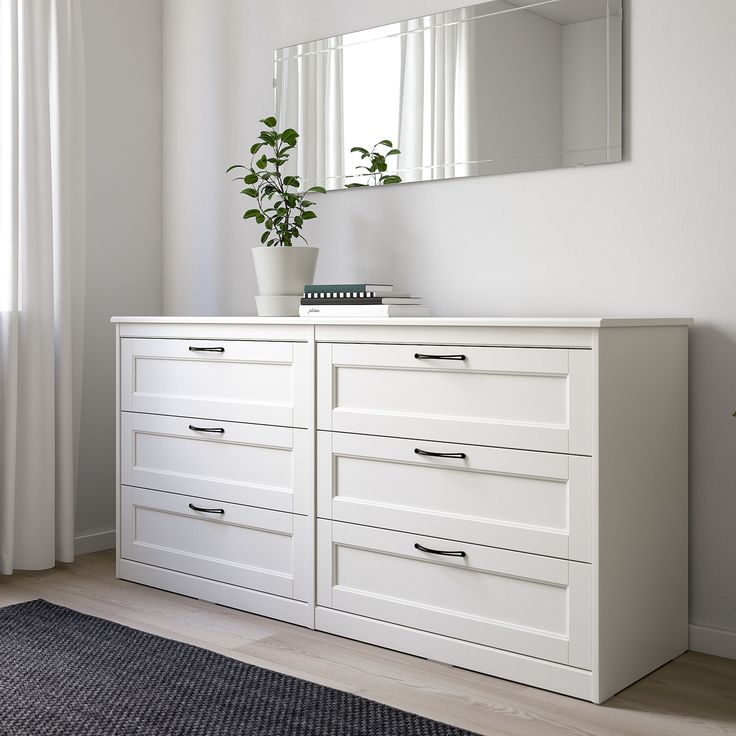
[{"x": 63, "y": 673}]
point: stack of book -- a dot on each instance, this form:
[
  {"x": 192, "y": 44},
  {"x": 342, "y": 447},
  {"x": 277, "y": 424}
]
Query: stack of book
[{"x": 359, "y": 300}]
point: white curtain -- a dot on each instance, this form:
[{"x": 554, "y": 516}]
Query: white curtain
[
  {"x": 41, "y": 277},
  {"x": 309, "y": 98},
  {"x": 437, "y": 125}
]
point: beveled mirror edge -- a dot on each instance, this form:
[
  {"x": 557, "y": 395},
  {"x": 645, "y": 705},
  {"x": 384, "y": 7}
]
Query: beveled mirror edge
[{"x": 614, "y": 8}]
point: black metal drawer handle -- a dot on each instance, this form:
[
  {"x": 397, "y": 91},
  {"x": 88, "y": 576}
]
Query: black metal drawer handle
[
  {"x": 424, "y": 356},
  {"x": 206, "y": 511},
  {"x": 427, "y": 453},
  {"x": 217, "y": 430},
  {"x": 458, "y": 553},
  {"x": 206, "y": 350}
]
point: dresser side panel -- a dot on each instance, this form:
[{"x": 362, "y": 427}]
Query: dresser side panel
[{"x": 642, "y": 509}]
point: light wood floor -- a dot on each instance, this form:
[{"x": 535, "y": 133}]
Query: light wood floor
[{"x": 694, "y": 695}]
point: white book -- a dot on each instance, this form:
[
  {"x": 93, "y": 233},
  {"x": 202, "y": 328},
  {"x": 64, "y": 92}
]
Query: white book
[{"x": 364, "y": 310}]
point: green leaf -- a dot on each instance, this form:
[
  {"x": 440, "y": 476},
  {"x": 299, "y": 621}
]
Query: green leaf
[
  {"x": 391, "y": 179},
  {"x": 250, "y": 192},
  {"x": 256, "y": 147},
  {"x": 260, "y": 218},
  {"x": 291, "y": 181},
  {"x": 299, "y": 220},
  {"x": 393, "y": 152},
  {"x": 251, "y": 213},
  {"x": 236, "y": 166},
  {"x": 358, "y": 149},
  {"x": 321, "y": 190},
  {"x": 264, "y": 237},
  {"x": 309, "y": 215},
  {"x": 262, "y": 163},
  {"x": 250, "y": 178},
  {"x": 269, "y": 122},
  {"x": 354, "y": 185},
  {"x": 385, "y": 142}
]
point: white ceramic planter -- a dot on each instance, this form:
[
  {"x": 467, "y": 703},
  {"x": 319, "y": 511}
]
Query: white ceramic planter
[{"x": 283, "y": 272}]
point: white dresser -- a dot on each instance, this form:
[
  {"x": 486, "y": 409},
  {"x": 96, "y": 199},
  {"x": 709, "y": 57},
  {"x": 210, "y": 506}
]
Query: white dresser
[{"x": 505, "y": 495}]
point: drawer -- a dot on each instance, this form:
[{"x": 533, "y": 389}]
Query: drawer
[
  {"x": 250, "y": 464},
  {"x": 239, "y": 381},
  {"x": 524, "y": 398},
  {"x": 529, "y": 501},
  {"x": 251, "y": 548},
  {"x": 528, "y": 604}
]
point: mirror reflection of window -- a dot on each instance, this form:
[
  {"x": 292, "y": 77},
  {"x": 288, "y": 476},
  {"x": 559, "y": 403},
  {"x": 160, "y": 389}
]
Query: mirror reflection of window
[{"x": 372, "y": 83}]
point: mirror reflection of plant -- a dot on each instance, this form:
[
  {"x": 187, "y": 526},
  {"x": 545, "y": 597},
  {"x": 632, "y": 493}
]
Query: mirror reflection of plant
[
  {"x": 376, "y": 172},
  {"x": 282, "y": 208}
]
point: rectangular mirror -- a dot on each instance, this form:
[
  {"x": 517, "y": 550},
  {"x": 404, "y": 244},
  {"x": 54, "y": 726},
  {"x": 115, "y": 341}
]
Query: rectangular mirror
[{"x": 503, "y": 86}]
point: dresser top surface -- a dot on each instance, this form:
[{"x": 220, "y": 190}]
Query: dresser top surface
[{"x": 589, "y": 322}]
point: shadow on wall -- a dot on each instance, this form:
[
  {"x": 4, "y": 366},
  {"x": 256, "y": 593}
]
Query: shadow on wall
[
  {"x": 712, "y": 470},
  {"x": 380, "y": 261}
]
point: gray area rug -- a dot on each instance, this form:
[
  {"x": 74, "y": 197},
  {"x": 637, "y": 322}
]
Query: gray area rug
[{"x": 64, "y": 673}]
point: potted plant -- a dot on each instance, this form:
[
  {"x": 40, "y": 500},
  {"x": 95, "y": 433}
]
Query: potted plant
[{"x": 282, "y": 269}]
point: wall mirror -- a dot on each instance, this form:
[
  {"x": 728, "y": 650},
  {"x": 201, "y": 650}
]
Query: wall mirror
[{"x": 498, "y": 87}]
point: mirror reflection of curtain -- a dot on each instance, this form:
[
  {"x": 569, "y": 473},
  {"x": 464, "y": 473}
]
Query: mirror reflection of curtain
[
  {"x": 437, "y": 122},
  {"x": 309, "y": 99}
]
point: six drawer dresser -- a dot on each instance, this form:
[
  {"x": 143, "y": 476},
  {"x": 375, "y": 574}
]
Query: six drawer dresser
[{"x": 504, "y": 495}]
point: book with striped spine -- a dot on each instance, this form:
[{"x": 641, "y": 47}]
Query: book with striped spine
[
  {"x": 355, "y": 291},
  {"x": 361, "y": 300}
]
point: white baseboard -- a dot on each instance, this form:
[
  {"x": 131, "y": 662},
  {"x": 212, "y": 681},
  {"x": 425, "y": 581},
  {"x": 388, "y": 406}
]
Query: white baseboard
[
  {"x": 720, "y": 642},
  {"x": 86, "y": 543}
]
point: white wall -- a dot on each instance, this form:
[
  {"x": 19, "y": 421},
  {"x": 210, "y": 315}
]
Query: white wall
[
  {"x": 653, "y": 235},
  {"x": 123, "y": 259},
  {"x": 198, "y": 89}
]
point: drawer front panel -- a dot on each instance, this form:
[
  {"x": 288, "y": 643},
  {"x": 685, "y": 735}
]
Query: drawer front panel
[
  {"x": 240, "y": 381},
  {"x": 524, "y": 398},
  {"x": 251, "y": 548},
  {"x": 528, "y": 501},
  {"x": 538, "y": 606},
  {"x": 247, "y": 464}
]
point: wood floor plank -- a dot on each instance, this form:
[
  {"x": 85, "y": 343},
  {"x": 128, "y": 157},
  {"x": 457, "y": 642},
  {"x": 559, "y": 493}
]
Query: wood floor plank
[{"x": 694, "y": 695}]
